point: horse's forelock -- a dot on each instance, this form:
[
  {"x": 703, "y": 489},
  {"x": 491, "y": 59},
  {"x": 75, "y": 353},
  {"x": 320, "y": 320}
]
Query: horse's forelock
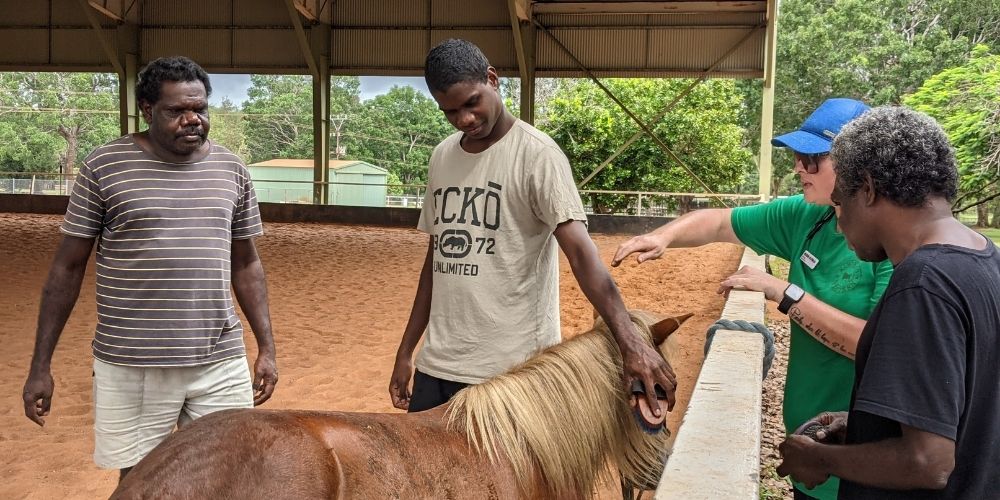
[{"x": 561, "y": 417}]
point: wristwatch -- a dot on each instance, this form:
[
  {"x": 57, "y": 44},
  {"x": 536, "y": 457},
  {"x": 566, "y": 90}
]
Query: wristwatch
[{"x": 793, "y": 294}]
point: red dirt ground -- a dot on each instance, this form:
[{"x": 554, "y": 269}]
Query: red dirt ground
[{"x": 339, "y": 298}]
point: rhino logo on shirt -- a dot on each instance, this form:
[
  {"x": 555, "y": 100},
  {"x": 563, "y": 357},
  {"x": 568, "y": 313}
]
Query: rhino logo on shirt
[{"x": 455, "y": 243}]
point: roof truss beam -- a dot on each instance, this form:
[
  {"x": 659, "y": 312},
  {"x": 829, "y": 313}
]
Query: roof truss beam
[
  {"x": 645, "y": 128},
  {"x": 300, "y": 35},
  {"x": 708, "y": 72},
  {"x": 109, "y": 51},
  {"x": 539, "y": 8}
]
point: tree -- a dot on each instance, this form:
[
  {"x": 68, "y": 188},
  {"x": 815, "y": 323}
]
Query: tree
[
  {"x": 397, "y": 130},
  {"x": 278, "y": 113},
  {"x": 965, "y": 100},
  {"x": 703, "y": 130},
  {"x": 227, "y": 127},
  {"x": 545, "y": 89},
  {"x": 51, "y": 121},
  {"x": 873, "y": 50}
]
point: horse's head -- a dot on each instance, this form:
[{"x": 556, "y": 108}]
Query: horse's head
[
  {"x": 559, "y": 417},
  {"x": 645, "y": 438},
  {"x": 654, "y": 326}
]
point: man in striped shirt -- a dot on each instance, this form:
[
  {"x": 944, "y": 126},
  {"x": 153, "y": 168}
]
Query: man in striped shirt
[{"x": 174, "y": 216}]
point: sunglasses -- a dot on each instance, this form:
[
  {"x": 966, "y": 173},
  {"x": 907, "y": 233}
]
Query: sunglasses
[{"x": 810, "y": 162}]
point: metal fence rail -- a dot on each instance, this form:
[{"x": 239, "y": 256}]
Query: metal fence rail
[{"x": 637, "y": 203}]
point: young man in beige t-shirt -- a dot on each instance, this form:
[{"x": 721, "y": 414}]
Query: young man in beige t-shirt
[{"x": 500, "y": 196}]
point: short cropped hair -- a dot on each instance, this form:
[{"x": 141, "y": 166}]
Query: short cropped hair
[
  {"x": 905, "y": 152},
  {"x": 168, "y": 69},
  {"x": 454, "y": 61}
]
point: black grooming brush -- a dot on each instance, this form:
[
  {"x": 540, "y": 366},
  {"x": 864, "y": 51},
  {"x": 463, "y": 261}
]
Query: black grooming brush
[{"x": 649, "y": 423}]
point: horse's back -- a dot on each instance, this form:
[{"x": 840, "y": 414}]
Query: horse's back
[
  {"x": 274, "y": 454},
  {"x": 410, "y": 456},
  {"x": 237, "y": 454}
]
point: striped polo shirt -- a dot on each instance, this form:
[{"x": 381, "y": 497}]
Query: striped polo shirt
[{"x": 163, "y": 252}]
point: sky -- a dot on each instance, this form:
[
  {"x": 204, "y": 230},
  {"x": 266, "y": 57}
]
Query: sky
[{"x": 235, "y": 86}]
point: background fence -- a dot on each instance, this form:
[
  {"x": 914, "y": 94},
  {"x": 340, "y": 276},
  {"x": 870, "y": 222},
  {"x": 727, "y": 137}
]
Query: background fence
[{"x": 637, "y": 203}]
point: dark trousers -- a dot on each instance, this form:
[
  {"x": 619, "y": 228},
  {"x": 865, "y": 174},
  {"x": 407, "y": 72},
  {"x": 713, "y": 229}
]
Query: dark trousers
[{"x": 430, "y": 392}]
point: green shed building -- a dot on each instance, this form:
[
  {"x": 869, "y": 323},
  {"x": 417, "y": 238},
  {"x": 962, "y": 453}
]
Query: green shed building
[{"x": 352, "y": 182}]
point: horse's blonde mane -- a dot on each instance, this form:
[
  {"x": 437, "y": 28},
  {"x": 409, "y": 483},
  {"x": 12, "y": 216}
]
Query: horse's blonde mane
[{"x": 561, "y": 418}]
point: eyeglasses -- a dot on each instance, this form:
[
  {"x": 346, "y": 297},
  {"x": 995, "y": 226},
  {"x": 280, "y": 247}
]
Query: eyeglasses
[{"x": 810, "y": 162}]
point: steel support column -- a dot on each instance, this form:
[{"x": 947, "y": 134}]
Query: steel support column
[
  {"x": 767, "y": 103},
  {"x": 523, "y": 32},
  {"x": 528, "y": 82},
  {"x": 321, "y": 115},
  {"x": 129, "y": 117},
  {"x": 123, "y": 58},
  {"x": 315, "y": 46}
]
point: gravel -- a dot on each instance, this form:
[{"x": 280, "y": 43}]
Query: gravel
[{"x": 772, "y": 427}]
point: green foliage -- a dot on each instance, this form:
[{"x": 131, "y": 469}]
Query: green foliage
[
  {"x": 873, "y": 50},
  {"x": 278, "y": 117},
  {"x": 393, "y": 184},
  {"x": 398, "y": 131},
  {"x": 228, "y": 127},
  {"x": 49, "y": 122},
  {"x": 278, "y": 113},
  {"x": 991, "y": 233},
  {"x": 767, "y": 489},
  {"x": 965, "y": 100},
  {"x": 702, "y": 130}
]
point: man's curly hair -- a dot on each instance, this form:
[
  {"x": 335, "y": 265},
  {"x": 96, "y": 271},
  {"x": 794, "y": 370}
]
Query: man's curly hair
[
  {"x": 168, "y": 69},
  {"x": 905, "y": 152},
  {"x": 454, "y": 61}
]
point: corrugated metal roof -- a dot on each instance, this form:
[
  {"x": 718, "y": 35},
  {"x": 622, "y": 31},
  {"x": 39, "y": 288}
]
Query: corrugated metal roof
[
  {"x": 26, "y": 46},
  {"x": 389, "y": 37},
  {"x": 262, "y": 14},
  {"x": 653, "y": 20},
  {"x": 385, "y": 13},
  {"x": 217, "y": 13},
  {"x": 484, "y": 13},
  {"x": 256, "y": 48},
  {"x": 368, "y": 50},
  {"x": 80, "y": 47},
  {"x": 211, "y": 48}
]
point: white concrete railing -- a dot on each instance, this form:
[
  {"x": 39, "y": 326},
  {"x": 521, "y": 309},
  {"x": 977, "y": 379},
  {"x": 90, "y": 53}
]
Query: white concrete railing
[{"x": 717, "y": 451}]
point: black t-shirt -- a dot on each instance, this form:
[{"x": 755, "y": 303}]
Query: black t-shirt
[{"x": 929, "y": 358}]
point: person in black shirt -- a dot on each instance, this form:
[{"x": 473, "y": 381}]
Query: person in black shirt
[{"x": 924, "y": 420}]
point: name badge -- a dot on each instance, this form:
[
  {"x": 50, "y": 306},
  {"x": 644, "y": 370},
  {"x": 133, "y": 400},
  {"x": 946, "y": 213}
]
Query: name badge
[{"x": 809, "y": 259}]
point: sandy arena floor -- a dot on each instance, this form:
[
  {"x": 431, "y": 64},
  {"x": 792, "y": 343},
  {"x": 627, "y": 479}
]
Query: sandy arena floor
[{"x": 339, "y": 298}]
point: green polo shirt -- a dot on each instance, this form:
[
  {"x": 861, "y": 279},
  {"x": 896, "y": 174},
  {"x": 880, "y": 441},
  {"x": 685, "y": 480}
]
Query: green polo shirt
[{"x": 818, "y": 378}]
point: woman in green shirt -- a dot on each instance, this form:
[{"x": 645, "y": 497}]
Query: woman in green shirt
[{"x": 829, "y": 292}]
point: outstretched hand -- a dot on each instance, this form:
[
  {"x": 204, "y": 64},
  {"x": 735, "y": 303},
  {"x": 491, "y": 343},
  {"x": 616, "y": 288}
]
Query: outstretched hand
[
  {"x": 750, "y": 278},
  {"x": 37, "y": 394},
  {"x": 648, "y": 245},
  {"x": 265, "y": 377}
]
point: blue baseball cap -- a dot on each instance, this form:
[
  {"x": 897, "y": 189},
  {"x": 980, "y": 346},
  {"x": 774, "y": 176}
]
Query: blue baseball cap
[{"x": 817, "y": 132}]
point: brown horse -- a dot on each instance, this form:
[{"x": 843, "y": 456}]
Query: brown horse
[{"x": 549, "y": 428}]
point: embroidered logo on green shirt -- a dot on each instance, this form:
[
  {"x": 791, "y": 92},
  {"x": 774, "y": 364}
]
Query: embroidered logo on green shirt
[{"x": 849, "y": 278}]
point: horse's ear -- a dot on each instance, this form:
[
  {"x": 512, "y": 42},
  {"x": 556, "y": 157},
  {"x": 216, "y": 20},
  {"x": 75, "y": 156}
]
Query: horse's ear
[{"x": 662, "y": 329}]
